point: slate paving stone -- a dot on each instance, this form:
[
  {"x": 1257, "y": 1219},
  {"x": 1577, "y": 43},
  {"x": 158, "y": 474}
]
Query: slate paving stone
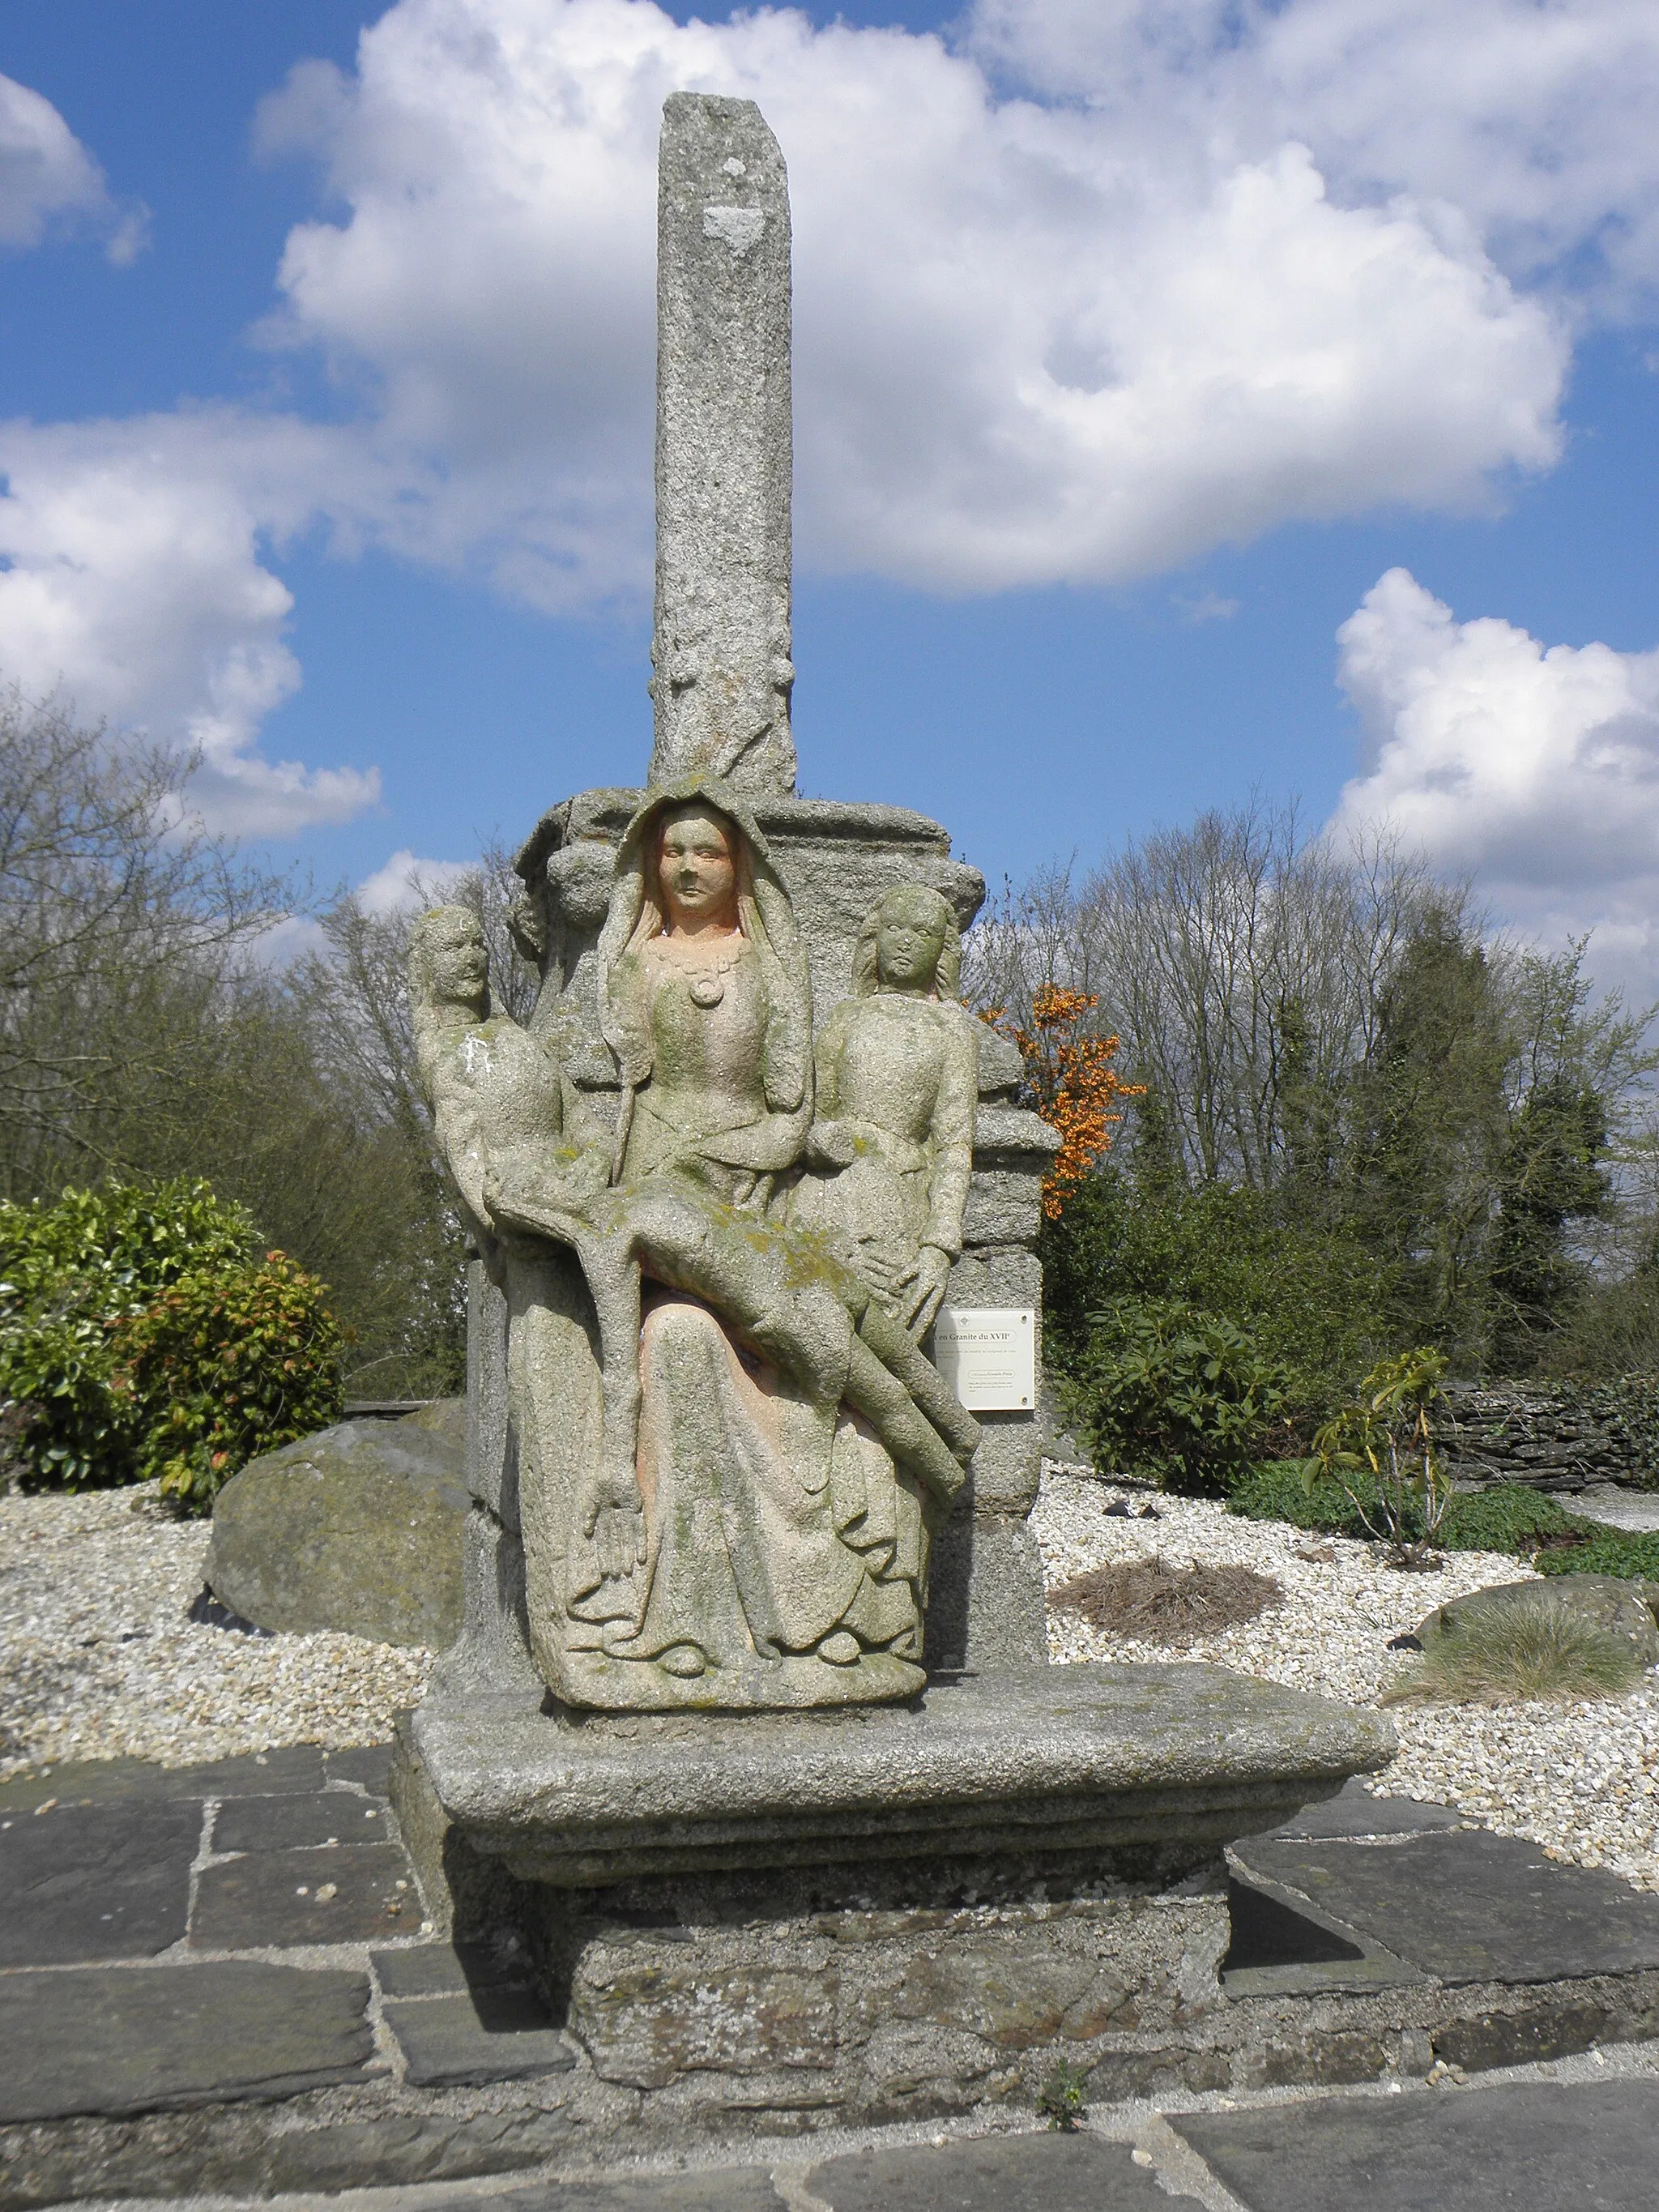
[
  {"x": 1470, "y": 1906},
  {"x": 304, "y": 1819},
  {"x": 370, "y": 1766},
  {"x": 1548, "y": 2146},
  {"x": 1355, "y": 1811},
  {"x": 94, "y": 1881},
  {"x": 730, "y": 2189},
  {"x": 431, "y": 1970},
  {"x": 1017, "y": 2173},
  {"x": 477, "y": 2036},
  {"x": 270, "y": 1899},
  {"x": 111, "y": 1781},
  {"x": 114, "y": 2039}
]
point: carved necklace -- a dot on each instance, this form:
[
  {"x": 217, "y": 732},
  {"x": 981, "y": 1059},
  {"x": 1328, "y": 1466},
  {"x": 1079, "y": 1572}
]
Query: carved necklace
[{"x": 707, "y": 985}]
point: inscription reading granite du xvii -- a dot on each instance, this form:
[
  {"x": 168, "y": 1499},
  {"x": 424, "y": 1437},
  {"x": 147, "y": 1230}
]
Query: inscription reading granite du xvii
[{"x": 988, "y": 1354}]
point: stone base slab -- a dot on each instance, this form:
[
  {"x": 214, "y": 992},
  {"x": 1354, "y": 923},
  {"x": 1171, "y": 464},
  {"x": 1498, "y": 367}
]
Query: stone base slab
[
  {"x": 391, "y": 2134},
  {"x": 1115, "y": 1763}
]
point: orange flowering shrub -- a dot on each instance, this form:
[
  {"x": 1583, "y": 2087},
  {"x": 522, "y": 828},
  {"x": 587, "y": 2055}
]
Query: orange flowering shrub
[{"x": 1072, "y": 1083}]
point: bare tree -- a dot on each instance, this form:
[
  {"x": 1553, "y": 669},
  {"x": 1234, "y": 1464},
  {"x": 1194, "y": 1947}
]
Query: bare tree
[
  {"x": 1241, "y": 964},
  {"x": 119, "y": 911}
]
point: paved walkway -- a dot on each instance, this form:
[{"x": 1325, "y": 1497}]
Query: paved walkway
[
  {"x": 1523, "y": 2144},
  {"x": 176, "y": 1940}
]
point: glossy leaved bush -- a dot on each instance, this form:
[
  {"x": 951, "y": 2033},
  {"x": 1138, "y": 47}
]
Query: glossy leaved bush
[
  {"x": 226, "y": 1365},
  {"x": 142, "y": 1329},
  {"x": 1182, "y": 1395}
]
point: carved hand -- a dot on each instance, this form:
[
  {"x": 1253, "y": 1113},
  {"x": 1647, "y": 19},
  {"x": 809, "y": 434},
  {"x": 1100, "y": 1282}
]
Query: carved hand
[
  {"x": 881, "y": 1268},
  {"x": 616, "y": 1522},
  {"x": 926, "y": 1289}
]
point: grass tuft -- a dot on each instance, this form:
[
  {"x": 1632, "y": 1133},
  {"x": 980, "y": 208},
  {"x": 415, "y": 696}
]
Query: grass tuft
[
  {"x": 1514, "y": 1654},
  {"x": 1173, "y": 1606}
]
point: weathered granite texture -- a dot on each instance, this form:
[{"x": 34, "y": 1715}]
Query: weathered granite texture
[
  {"x": 1149, "y": 1768},
  {"x": 837, "y": 862},
  {"x": 797, "y": 1998},
  {"x": 731, "y": 1507},
  {"x": 890, "y": 1153},
  {"x": 358, "y": 1529},
  {"x": 867, "y": 1914},
  {"x": 721, "y": 644}
]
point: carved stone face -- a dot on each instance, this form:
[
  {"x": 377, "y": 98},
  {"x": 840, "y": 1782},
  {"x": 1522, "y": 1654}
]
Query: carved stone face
[
  {"x": 456, "y": 964},
  {"x": 697, "y": 870},
  {"x": 908, "y": 944}
]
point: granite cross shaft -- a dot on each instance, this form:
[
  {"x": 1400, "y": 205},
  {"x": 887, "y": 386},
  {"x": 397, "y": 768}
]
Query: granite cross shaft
[{"x": 721, "y": 644}]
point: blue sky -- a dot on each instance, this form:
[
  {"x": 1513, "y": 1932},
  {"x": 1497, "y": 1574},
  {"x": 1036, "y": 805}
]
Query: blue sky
[{"x": 1050, "y": 620}]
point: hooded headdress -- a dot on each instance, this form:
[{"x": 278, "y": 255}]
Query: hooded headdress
[{"x": 765, "y": 917}]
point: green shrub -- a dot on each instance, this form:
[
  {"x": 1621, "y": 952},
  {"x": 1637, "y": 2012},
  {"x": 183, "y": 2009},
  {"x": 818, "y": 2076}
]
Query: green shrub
[
  {"x": 1508, "y": 1519},
  {"x": 142, "y": 1333},
  {"x": 1308, "y": 1296},
  {"x": 227, "y": 1364},
  {"x": 1277, "y": 1490},
  {"x": 1177, "y": 1394},
  {"x": 71, "y": 1274},
  {"x": 1627, "y": 1552}
]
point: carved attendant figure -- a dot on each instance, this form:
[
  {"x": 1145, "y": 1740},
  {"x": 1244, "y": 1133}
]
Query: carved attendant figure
[{"x": 897, "y": 1082}]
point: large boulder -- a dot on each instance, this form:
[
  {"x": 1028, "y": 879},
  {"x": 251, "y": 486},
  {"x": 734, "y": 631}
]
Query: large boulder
[
  {"x": 1608, "y": 1602},
  {"x": 357, "y": 1529}
]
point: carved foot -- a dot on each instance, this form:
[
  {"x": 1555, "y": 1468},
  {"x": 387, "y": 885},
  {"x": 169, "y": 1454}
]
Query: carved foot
[{"x": 841, "y": 1649}]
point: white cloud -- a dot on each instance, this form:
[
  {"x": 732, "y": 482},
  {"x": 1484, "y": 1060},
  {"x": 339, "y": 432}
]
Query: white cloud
[
  {"x": 1534, "y": 122},
  {"x": 1099, "y": 288},
  {"x": 1021, "y": 357},
  {"x": 407, "y": 885},
  {"x": 1534, "y": 768},
  {"x": 47, "y": 175},
  {"x": 132, "y": 580},
  {"x": 1208, "y": 606}
]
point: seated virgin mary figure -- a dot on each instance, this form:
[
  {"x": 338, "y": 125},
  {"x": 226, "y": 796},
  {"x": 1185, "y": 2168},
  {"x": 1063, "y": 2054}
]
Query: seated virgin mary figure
[{"x": 752, "y": 1481}]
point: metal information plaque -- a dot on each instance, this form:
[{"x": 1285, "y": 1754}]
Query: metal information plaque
[{"x": 988, "y": 1354}]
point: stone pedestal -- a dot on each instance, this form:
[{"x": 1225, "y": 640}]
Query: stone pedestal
[
  {"x": 864, "y": 1911},
  {"x": 858, "y": 1914}
]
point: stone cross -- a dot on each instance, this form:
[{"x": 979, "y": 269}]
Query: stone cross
[{"x": 722, "y": 646}]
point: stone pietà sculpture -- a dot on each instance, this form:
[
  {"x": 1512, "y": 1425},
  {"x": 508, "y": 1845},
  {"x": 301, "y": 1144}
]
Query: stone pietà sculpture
[{"x": 727, "y": 1474}]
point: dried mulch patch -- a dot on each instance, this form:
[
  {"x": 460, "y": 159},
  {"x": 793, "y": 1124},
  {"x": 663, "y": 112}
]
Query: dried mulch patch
[{"x": 1154, "y": 1603}]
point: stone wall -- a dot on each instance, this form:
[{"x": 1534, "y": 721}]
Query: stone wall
[{"x": 1561, "y": 1437}]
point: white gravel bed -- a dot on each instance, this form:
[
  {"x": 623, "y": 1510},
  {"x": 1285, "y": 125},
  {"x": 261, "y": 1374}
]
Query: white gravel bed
[
  {"x": 1583, "y": 1780},
  {"x": 98, "y": 1660}
]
